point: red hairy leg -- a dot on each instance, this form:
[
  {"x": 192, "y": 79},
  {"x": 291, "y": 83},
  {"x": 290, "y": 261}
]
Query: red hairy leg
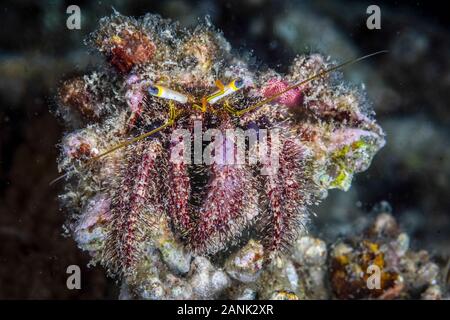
[
  {"x": 228, "y": 207},
  {"x": 223, "y": 212},
  {"x": 286, "y": 205},
  {"x": 179, "y": 190},
  {"x": 135, "y": 205}
]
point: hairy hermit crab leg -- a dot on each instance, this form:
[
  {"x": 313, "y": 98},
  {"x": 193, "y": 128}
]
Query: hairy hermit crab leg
[{"x": 296, "y": 85}]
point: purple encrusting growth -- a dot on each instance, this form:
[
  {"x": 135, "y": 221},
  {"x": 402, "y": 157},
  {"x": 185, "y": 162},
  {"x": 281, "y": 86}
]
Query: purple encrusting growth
[{"x": 326, "y": 133}]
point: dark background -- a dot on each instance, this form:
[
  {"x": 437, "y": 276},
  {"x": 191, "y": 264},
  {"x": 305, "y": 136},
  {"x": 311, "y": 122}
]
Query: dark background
[{"x": 410, "y": 88}]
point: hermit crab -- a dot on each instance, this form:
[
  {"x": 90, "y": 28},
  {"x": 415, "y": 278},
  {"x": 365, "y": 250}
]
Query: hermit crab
[{"x": 143, "y": 125}]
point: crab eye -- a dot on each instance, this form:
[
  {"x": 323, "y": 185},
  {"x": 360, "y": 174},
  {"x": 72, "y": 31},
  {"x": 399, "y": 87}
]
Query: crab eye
[
  {"x": 239, "y": 83},
  {"x": 154, "y": 91}
]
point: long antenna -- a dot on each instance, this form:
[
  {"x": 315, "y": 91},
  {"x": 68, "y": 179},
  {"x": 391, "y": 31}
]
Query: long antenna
[
  {"x": 128, "y": 142},
  {"x": 316, "y": 76},
  {"x": 172, "y": 112},
  {"x": 118, "y": 146}
]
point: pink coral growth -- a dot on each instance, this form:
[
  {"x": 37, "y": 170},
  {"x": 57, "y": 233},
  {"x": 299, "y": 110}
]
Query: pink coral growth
[{"x": 291, "y": 98}]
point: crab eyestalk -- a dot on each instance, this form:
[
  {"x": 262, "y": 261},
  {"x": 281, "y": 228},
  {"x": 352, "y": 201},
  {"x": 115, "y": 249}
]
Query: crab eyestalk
[
  {"x": 166, "y": 93},
  {"x": 224, "y": 91}
]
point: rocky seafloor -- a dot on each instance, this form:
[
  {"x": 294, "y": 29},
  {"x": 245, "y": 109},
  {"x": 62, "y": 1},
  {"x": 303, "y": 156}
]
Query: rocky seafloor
[{"x": 313, "y": 269}]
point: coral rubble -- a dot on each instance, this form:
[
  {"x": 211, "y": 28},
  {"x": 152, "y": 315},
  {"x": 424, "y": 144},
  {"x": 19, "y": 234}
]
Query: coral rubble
[{"x": 403, "y": 273}]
